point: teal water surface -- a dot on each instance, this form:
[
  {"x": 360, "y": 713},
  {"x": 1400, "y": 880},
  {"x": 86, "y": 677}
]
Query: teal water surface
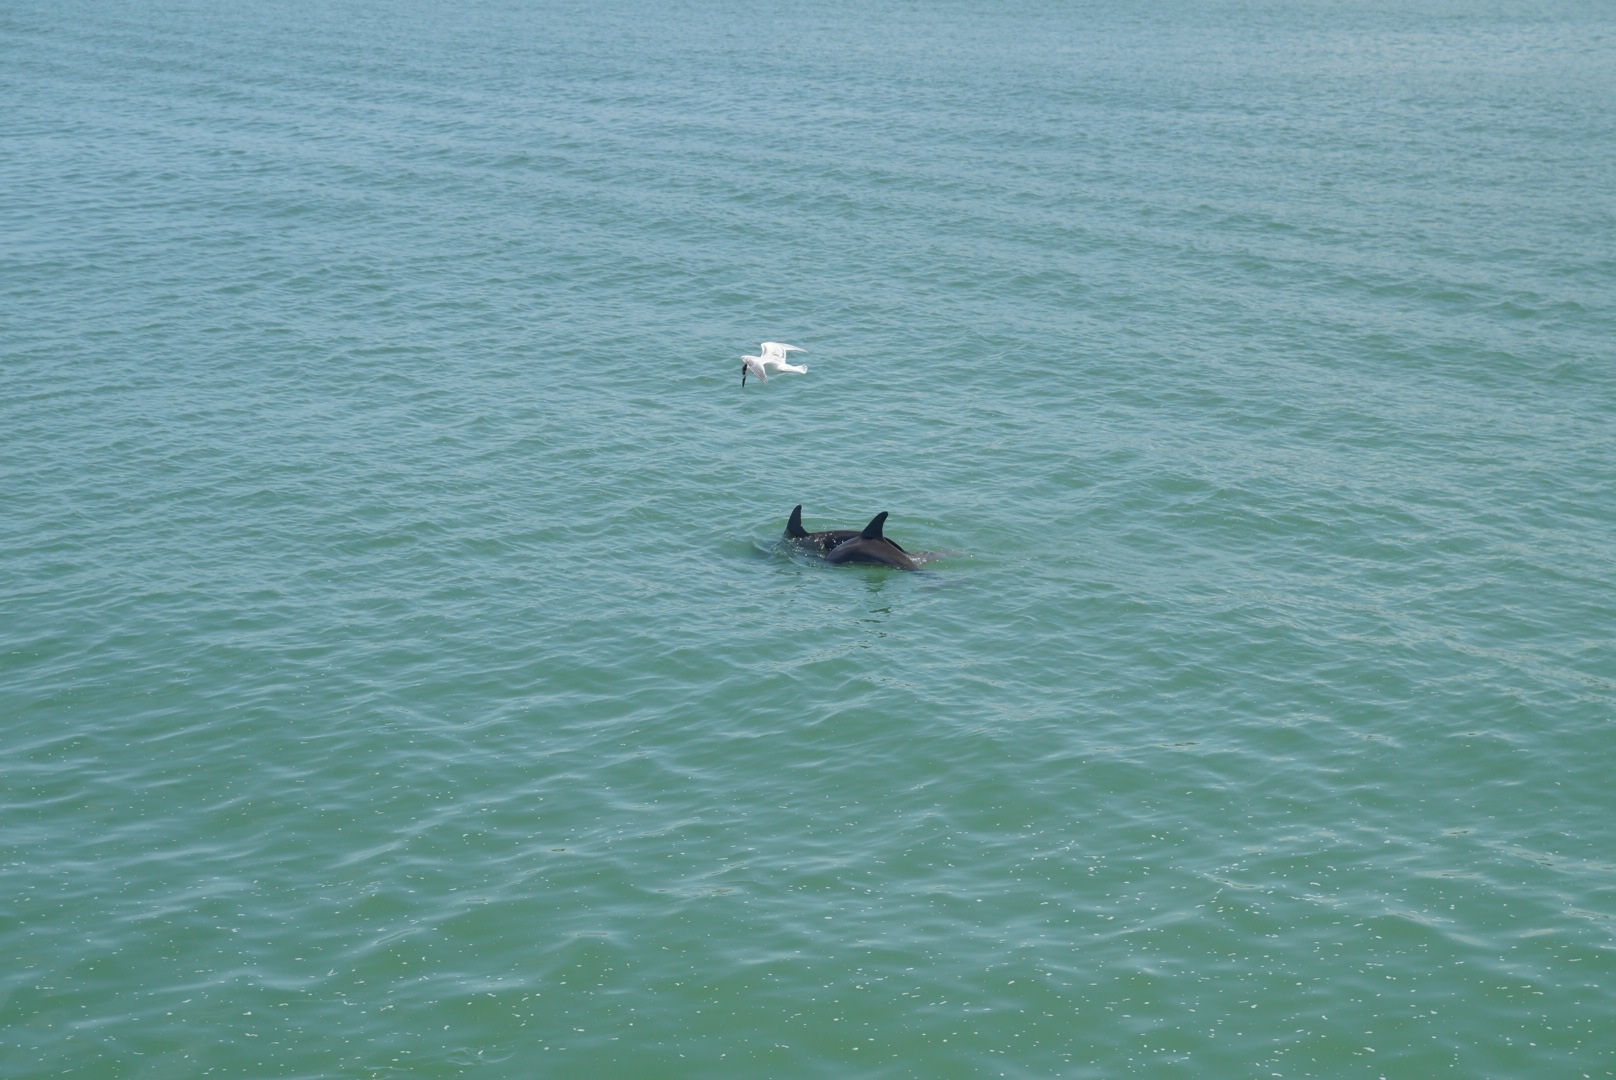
[{"x": 400, "y": 675}]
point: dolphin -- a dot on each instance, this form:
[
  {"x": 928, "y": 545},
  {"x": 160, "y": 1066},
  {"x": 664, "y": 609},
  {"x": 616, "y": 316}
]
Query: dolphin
[
  {"x": 869, "y": 546},
  {"x": 822, "y": 541}
]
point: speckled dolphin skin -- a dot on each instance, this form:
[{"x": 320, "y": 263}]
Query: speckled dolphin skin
[{"x": 822, "y": 542}]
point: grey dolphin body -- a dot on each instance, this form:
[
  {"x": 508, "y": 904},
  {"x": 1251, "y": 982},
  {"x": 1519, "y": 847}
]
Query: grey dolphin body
[
  {"x": 823, "y": 542},
  {"x": 871, "y": 547}
]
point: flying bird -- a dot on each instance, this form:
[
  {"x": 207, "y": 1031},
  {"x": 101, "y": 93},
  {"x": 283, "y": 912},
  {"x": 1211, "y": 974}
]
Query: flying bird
[{"x": 774, "y": 357}]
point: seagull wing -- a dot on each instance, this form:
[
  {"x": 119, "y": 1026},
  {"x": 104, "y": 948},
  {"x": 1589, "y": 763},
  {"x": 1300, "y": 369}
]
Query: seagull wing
[{"x": 778, "y": 349}]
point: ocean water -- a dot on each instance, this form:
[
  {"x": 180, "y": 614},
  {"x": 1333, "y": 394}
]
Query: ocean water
[{"x": 400, "y": 676}]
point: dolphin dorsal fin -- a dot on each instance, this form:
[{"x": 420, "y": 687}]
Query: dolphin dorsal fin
[
  {"x": 794, "y": 527},
  {"x": 872, "y": 531}
]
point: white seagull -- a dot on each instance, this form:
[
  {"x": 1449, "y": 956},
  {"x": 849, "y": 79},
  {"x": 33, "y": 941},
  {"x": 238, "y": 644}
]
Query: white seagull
[{"x": 773, "y": 358}]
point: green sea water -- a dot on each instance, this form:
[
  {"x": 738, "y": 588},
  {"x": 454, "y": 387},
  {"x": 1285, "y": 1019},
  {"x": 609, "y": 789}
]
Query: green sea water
[{"x": 400, "y": 674}]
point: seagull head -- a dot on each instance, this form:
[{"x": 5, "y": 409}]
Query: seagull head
[{"x": 754, "y": 365}]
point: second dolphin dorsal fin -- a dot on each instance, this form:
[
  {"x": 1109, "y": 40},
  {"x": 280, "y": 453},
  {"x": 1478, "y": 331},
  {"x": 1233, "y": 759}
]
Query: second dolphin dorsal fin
[
  {"x": 872, "y": 531},
  {"x": 794, "y": 527}
]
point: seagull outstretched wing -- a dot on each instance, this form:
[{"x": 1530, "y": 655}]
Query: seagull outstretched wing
[{"x": 777, "y": 350}]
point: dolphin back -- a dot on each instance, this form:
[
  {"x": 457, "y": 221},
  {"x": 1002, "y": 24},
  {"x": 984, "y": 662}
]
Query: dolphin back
[
  {"x": 872, "y": 531},
  {"x": 870, "y": 546},
  {"x": 824, "y": 541}
]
